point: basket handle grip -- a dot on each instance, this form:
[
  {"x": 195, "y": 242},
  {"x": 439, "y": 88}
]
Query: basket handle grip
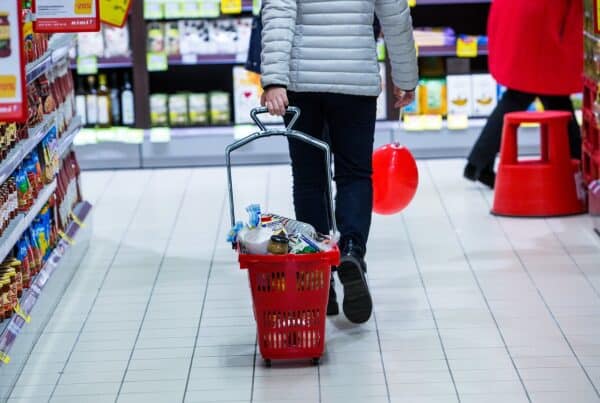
[{"x": 289, "y": 133}]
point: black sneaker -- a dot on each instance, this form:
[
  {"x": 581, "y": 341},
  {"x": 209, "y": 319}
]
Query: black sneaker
[
  {"x": 357, "y": 305},
  {"x": 332, "y": 306},
  {"x": 487, "y": 176}
]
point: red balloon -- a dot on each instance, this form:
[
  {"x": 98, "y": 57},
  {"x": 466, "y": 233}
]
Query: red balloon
[{"x": 395, "y": 179}]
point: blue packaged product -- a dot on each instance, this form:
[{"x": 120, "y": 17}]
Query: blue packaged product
[{"x": 254, "y": 215}]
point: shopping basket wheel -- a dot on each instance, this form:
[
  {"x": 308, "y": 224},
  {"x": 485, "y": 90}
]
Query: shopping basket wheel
[
  {"x": 316, "y": 361},
  {"x": 268, "y": 363}
]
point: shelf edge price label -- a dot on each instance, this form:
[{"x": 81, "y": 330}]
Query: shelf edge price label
[
  {"x": 66, "y": 16},
  {"x": 19, "y": 311},
  {"x": 4, "y": 358},
  {"x": 413, "y": 123},
  {"x": 458, "y": 122},
  {"x": 87, "y": 65},
  {"x": 160, "y": 135},
  {"x": 114, "y": 12},
  {"x": 467, "y": 47},
  {"x": 432, "y": 122},
  {"x": 231, "y": 6},
  {"x": 157, "y": 61}
]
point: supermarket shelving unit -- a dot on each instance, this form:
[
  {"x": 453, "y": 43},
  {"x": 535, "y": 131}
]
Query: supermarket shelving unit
[
  {"x": 591, "y": 112},
  {"x": 204, "y": 145},
  {"x": 19, "y": 334}
]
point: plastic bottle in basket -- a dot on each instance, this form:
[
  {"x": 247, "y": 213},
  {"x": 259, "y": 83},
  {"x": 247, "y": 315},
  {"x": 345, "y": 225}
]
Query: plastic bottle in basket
[{"x": 293, "y": 226}]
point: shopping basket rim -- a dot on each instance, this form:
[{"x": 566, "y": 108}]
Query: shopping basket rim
[{"x": 332, "y": 256}]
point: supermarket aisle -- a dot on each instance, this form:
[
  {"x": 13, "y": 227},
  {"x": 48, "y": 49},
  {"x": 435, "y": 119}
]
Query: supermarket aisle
[{"x": 469, "y": 307}]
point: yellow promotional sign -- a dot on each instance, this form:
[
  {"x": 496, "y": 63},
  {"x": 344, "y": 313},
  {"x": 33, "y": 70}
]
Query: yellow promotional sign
[
  {"x": 114, "y": 12},
  {"x": 8, "y": 86},
  {"x": 83, "y": 7},
  {"x": 466, "y": 47},
  {"x": 231, "y": 6}
]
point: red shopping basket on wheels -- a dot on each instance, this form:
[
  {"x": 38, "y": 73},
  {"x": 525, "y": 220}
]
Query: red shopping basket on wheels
[{"x": 289, "y": 292}]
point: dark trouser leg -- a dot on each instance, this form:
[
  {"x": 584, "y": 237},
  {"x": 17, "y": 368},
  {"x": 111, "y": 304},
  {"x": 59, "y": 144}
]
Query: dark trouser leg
[
  {"x": 563, "y": 103},
  {"x": 308, "y": 163},
  {"x": 351, "y": 121},
  {"x": 487, "y": 146}
]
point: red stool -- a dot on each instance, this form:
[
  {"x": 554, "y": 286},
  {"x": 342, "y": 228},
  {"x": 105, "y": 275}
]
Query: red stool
[{"x": 545, "y": 187}]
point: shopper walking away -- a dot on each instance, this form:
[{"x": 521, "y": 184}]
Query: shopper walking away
[
  {"x": 321, "y": 57},
  {"x": 535, "y": 50}
]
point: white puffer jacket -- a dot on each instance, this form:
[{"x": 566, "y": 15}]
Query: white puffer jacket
[{"x": 328, "y": 46}]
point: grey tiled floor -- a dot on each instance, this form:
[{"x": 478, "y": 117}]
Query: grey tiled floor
[{"x": 468, "y": 307}]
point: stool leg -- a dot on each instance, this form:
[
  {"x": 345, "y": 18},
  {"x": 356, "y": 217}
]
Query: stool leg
[
  {"x": 508, "y": 151},
  {"x": 544, "y": 138},
  {"x": 559, "y": 151}
]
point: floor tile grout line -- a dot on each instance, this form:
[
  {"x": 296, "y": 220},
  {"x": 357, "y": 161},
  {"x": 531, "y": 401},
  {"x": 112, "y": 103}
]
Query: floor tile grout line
[
  {"x": 568, "y": 253},
  {"x": 169, "y": 238},
  {"x": 433, "y": 316},
  {"x": 203, "y": 305},
  {"x": 100, "y": 286},
  {"x": 476, "y": 278},
  {"x": 543, "y": 299},
  {"x": 253, "y": 370},
  {"x": 385, "y": 376},
  {"x": 43, "y": 330}
]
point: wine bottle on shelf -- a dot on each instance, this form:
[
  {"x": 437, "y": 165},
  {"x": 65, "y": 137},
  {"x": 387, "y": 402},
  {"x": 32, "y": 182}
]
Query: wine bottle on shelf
[
  {"x": 104, "y": 109},
  {"x": 115, "y": 101},
  {"x": 127, "y": 103},
  {"x": 91, "y": 101},
  {"x": 80, "y": 101}
]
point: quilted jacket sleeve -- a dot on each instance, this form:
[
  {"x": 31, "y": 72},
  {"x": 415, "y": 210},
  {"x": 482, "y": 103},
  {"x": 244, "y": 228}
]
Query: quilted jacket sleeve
[
  {"x": 398, "y": 33},
  {"x": 279, "y": 22}
]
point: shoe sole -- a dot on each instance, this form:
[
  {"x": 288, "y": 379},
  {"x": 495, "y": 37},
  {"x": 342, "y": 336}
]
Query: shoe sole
[{"x": 358, "y": 304}]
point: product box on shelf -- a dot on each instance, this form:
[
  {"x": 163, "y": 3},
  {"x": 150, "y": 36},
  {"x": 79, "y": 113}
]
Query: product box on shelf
[
  {"x": 246, "y": 96},
  {"x": 485, "y": 94},
  {"x": 433, "y": 96},
  {"x": 460, "y": 94},
  {"x": 220, "y": 109}
]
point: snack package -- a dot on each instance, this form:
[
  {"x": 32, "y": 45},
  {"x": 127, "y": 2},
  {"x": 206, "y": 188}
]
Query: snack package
[
  {"x": 172, "y": 38},
  {"x": 220, "y": 111},
  {"x": 90, "y": 44},
  {"x": 156, "y": 37},
  {"x": 198, "y": 109},
  {"x": 158, "y": 110},
  {"x": 178, "y": 110},
  {"x": 459, "y": 95},
  {"x": 117, "y": 41}
]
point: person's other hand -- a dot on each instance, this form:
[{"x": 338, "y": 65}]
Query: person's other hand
[
  {"x": 403, "y": 97},
  {"x": 276, "y": 100}
]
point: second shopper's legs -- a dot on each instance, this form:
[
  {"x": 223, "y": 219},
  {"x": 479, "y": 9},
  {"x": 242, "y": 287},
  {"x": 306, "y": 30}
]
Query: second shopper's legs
[
  {"x": 563, "y": 103},
  {"x": 487, "y": 146}
]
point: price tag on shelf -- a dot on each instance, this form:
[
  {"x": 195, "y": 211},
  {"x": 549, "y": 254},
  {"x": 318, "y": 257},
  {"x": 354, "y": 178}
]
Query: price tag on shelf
[
  {"x": 160, "y": 135},
  {"x": 173, "y": 9},
  {"x": 4, "y": 358},
  {"x": 210, "y": 9},
  {"x": 413, "y": 123},
  {"x": 231, "y": 6},
  {"x": 432, "y": 122},
  {"x": 87, "y": 65},
  {"x": 76, "y": 220},
  {"x": 466, "y": 47},
  {"x": 191, "y": 9},
  {"x": 256, "y": 6},
  {"x": 22, "y": 314},
  {"x": 67, "y": 238},
  {"x": 13, "y": 96},
  {"x": 412, "y": 3},
  {"x": 66, "y": 16},
  {"x": 157, "y": 61},
  {"x": 458, "y": 122},
  {"x": 154, "y": 10},
  {"x": 189, "y": 58},
  {"x": 114, "y": 12}
]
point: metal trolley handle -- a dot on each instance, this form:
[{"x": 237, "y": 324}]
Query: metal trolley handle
[{"x": 290, "y": 133}]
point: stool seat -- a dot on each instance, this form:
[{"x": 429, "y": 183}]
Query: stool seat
[{"x": 551, "y": 185}]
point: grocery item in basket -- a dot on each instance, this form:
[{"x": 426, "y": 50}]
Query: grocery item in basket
[
  {"x": 255, "y": 241},
  {"x": 278, "y": 245},
  {"x": 291, "y": 226}
]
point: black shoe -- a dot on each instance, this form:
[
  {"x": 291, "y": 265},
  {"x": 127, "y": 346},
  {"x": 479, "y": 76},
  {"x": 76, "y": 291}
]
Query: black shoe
[
  {"x": 358, "y": 304},
  {"x": 485, "y": 176},
  {"x": 332, "y": 306}
]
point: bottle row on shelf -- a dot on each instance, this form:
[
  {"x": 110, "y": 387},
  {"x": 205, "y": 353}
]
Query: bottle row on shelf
[
  {"x": 102, "y": 105},
  {"x": 38, "y": 169},
  {"x": 49, "y": 96},
  {"x": 34, "y": 246}
]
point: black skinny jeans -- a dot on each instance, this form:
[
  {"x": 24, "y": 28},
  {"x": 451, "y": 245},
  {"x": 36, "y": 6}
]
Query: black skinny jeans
[
  {"x": 487, "y": 146},
  {"x": 347, "y": 124}
]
